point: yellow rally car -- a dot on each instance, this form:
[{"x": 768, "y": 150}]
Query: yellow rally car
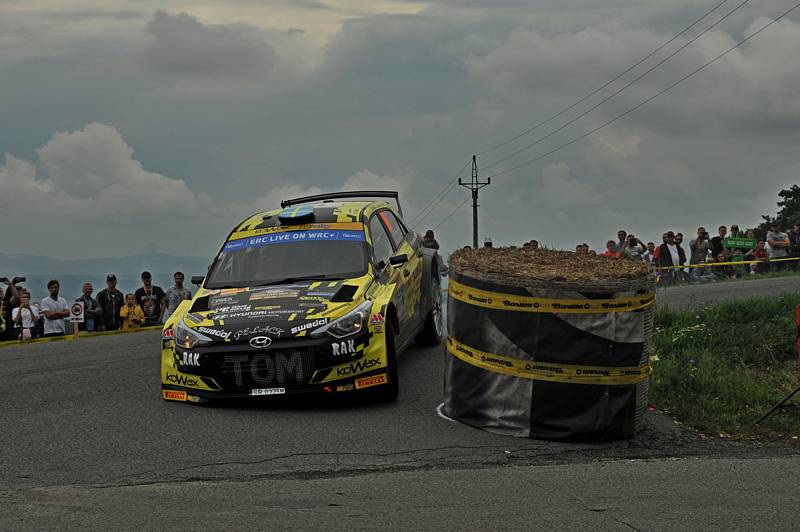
[{"x": 319, "y": 296}]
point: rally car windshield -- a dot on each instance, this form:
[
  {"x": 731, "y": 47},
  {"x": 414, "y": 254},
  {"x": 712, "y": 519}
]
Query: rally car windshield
[{"x": 289, "y": 256}]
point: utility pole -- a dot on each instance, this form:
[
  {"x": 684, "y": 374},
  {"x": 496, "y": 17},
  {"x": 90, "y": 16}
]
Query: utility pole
[{"x": 475, "y": 186}]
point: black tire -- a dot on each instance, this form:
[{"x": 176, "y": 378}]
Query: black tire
[
  {"x": 390, "y": 391},
  {"x": 432, "y": 331}
]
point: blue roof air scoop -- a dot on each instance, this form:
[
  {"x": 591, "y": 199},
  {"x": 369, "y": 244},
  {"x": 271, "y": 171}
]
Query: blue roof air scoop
[{"x": 297, "y": 215}]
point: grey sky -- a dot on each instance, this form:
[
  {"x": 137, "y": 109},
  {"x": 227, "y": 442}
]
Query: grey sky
[{"x": 156, "y": 126}]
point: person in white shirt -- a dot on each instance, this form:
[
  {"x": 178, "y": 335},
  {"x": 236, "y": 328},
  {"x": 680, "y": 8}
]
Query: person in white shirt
[
  {"x": 24, "y": 316},
  {"x": 55, "y": 309}
]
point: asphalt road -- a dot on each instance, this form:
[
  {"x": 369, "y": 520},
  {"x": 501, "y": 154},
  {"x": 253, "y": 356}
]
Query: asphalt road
[
  {"x": 86, "y": 441},
  {"x": 686, "y": 296}
]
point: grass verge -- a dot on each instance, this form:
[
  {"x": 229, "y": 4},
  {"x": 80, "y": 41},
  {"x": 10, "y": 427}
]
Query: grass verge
[{"x": 719, "y": 368}]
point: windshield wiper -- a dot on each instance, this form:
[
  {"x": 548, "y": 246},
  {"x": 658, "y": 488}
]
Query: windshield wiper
[{"x": 288, "y": 280}]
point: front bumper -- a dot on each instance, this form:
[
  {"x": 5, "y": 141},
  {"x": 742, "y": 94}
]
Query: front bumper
[{"x": 288, "y": 367}]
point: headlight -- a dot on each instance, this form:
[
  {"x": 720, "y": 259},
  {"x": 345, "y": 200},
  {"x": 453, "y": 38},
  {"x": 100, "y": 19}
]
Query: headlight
[
  {"x": 351, "y": 323},
  {"x": 188, "y": 338}
]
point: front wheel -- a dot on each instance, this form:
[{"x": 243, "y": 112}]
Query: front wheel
[
  {"x": 432, "y": 331},
  {"x": 389, "y": 392}
]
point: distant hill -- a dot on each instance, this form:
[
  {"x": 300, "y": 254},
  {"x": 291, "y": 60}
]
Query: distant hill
[{"x": 19, "y": 264}]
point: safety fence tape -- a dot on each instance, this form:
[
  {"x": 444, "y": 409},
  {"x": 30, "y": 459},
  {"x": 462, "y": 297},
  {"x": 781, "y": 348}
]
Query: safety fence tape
[
  {"x": 81, "y": 336},
  {"x": 740, "y": 262},
  {"x": 498, "y": 300},
  {"x": 547, "y": 371}
]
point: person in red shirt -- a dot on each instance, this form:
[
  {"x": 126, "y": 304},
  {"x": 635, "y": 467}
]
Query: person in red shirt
[{"x": 610, "y": 250}]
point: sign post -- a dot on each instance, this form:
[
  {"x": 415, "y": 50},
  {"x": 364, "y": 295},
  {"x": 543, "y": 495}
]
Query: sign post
[{"x": 76, "y": 315}]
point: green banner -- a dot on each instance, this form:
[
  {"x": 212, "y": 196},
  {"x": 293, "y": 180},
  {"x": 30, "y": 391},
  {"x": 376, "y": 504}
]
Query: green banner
[{"x": 744, "y": 243}]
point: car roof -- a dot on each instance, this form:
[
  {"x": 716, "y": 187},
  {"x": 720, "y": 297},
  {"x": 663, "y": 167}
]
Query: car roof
[{"x": 324, "y": 212}]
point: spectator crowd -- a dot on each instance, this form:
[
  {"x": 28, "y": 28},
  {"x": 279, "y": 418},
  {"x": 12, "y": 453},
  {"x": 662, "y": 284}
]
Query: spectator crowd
[
  {"x": 110, "y": 310},
  {"x": 708, "y": 258}
]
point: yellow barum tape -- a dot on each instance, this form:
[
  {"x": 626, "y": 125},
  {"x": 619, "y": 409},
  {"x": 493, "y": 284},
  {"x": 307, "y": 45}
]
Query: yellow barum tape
[
  {"x": 498, "y": 300},
  {"x": 736, "y": 263},
  {"x": 547, "y": 371},
  {"x": 81, "y": 336}
]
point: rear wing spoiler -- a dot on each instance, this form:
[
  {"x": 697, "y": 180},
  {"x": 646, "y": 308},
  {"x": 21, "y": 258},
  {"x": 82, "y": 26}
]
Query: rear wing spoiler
[{"x": 344, "y": 195}]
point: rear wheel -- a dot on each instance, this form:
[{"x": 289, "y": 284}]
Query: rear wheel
[{"x": 432, "y": 331}]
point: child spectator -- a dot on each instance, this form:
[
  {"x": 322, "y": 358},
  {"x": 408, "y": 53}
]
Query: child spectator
[
  {"x": 760, "y": 254},
  {"x": 131, "y": 314},
  {"x": 25, "y": 316},
  {"x": 739, "y": 270}
]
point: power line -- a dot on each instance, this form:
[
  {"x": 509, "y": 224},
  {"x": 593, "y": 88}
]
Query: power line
[
  {"x": 613, "y": 94},
  {"x": 439, "y": 198},
  {"x": 451, "y": 214},
  {"x": 606, "y": 84},
  {"x": 650, "y": 99},
  {"x": 431, "y": 206}
]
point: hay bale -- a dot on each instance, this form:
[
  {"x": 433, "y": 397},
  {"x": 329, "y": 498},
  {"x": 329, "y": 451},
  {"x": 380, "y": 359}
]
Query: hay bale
[{"x": 548, "y": 344}]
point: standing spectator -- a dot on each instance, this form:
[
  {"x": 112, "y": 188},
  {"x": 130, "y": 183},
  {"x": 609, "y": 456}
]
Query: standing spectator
[
  {"x": 718, "y": 243},
  {"x": 684, "y": 273},
  {"x": 735, "y": 233},
  {"x": 93, "y": 314},
  {"x": 633, "y": 248},
  {"x": 699, "y": 248},
  {"x": 794, "y": 246},
  {"x": 25, "y": 317},
  {"x": 758, "y": 253},
  {"x": 647, "y": 256},
  {"x": 175, "y": 295},
  {"x": 611, "y": 250},
  {"x": 623, "y": 239},
  {"x": 777, "y": 247},
  {"x": 10, "y": 302},
  {"x": 55, "y": 309},
  {"x": 149, "y": 297},
  {"x": 667, "y": 255},
  {"x": 131, "y": 314},
  {"x": 111, "y": 301},
  {"x": 428, "y": 241}
]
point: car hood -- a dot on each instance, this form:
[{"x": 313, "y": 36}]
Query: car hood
[{"x": 278, "y": 312}]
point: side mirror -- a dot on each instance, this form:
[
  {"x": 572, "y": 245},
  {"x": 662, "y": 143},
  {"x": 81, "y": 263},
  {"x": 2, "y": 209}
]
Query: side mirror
[
  {"x": 397, "y": 260},
  {"x": 197, "y": 280}
]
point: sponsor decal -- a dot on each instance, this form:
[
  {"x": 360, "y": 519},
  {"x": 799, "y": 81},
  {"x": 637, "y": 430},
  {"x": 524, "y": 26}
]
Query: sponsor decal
[
  {"x": 173, "y": 395},
  {"x": 253, "y": 314},
  {"x": 168, "y": 334},
  {"x": 358, "y": 367},
  {"x": 344, "y": 388},
  {"x": 268, "y": 391},
  {"x": 258, "y": 329},
  {"x": 377, "y": 328},
  {"x": 308, "y": 325},
  {"x": 265, "y": 369},
  {"x": 325, "y": 295},
  {"x": 232, "y": 308},
  {"x": 377, "y": 319},
  {"x": 190, "y": 359},
  {"x": 183, "y": 380},
  {"x": 260, "y": 342},
  {"x": 273, "y": 294},
  {"x": 221, "y": 300},
  {"x": 366, "y": 382},
  {"x": 195, "y": 318},
  {"x": 345, "y": 347},
  {"x": 215, "y": 332},
  {"x": 294, "y": 236}
]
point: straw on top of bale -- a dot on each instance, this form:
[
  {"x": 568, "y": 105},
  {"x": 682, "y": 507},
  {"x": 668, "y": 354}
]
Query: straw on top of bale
[{"x": 545, "y": 265}]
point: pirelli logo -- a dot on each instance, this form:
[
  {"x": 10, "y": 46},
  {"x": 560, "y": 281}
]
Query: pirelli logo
[
  {"x": 367, "y": 382},
  {"x": 547, "y": 371},
  {"x": 512, "y": 302},
  {"x": 173, "y": 395}
]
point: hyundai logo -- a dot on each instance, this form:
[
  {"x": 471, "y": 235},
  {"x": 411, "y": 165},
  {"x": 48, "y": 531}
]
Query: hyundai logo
[{"x": 260, "y": 342}]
